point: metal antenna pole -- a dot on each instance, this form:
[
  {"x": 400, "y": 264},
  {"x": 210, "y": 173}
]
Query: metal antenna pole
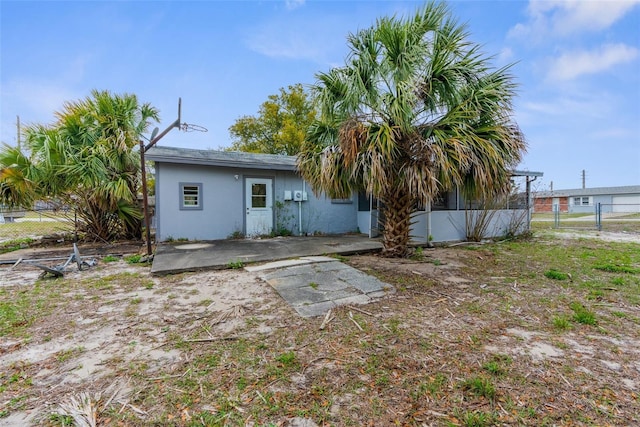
[
  {"x": 18, "y": 134},
  {"x": 143, "y": 149}
]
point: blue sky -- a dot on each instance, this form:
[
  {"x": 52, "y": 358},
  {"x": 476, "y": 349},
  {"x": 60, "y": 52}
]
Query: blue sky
[{"x": 577, "y": 64}]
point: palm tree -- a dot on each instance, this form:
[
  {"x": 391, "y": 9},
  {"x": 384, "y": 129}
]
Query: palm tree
[
  {"x": 87, "y": 159},
  {"x": 417, "y": 109}
]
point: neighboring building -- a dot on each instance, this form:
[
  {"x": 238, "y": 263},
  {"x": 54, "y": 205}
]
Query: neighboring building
[
  {"x": 8, "y": 214},
  {"x": 585, "y": 200},
  {"x": 208, "y": 195}
]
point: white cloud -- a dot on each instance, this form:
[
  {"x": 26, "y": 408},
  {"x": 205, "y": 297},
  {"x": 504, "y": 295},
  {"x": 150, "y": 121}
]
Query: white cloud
[
  {"x": 293, "y": 4},
  {"x": 574, "y": 64},
  {"x": 614, "y": 133},
  {"x": 34, "y": 101},
  {"x": 308, "y": 40},
  {"x": 505, "y": 56},
  {"x": 563, "y": 17}
]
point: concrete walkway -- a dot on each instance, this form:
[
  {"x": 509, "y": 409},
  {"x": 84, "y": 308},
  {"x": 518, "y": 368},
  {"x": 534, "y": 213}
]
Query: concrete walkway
[
  {"x": 314, "y": 285},
  {"x": 220, "y": 254}
]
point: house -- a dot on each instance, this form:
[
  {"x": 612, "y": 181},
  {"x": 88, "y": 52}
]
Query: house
[
  {"x": 585, "y": 200},
  {"x": 209, "y": 195}
]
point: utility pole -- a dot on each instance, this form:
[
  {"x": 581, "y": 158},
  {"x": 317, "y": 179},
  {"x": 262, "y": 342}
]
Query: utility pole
[
  {"x": 584, "y": 179},
  {"x": 18, "y": 131}
]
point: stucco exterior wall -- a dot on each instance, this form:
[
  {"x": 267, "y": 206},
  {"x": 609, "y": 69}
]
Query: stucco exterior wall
[
  {"x": 591, "y": 208},
  {"x": 316, "y": 214},
  {"x": 448, "y": 226},
  {"x": 223, "y": 204}
]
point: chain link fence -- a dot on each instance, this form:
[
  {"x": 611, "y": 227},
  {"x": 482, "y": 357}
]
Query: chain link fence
[
  {"x": 604, "y": 217},
  {"x": 618, "y": 217},
  {"x": 17, "y": 224}
]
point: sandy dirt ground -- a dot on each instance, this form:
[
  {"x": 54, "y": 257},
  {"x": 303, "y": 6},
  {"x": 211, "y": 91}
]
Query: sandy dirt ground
[
  {"x": 111, "y": 317},
  {"x": 116, "y": 314}
]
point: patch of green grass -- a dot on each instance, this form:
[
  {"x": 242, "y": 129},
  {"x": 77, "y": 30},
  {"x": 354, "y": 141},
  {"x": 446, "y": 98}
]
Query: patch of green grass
[
  {"x": 493, "y": 368},
  {"x": 287, "y": 359},
  {"x": 15, "y": 244},
  {"x": 64, "y": 355},
  {"x": 476, "y": 418},
  {"x": 556, "y": 275},
  {"x": 595, "y": 294},
  {"x": 613, "y": 268},
  {"x": 61, "y": 420},
  {"x": 236, "y": 235},
  {"x": 480, "y": 386},
  {"x": 618, "y": 281},
  {"x": 235, "y": 265},
  {"x": 418, "y": 254},
  {"x": 561, "y": 323},
  {"x": 339, "y": 257},
  {"x": 582, "y": 314},
  {"x": 133, "y": 259},
  {"x": 432, "y": 385},
  {"x": 110, "y": 258},
  {"x": 19, "y": 311}
]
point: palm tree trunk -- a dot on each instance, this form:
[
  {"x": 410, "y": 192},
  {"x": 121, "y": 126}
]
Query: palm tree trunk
[{"x": 396, "y": 211}]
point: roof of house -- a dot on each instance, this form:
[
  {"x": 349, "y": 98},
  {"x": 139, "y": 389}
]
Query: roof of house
[
  {"x": 235, "y": 159},
  {"x": 232, "y": 159},
  {"x": 598, "y": 191}
]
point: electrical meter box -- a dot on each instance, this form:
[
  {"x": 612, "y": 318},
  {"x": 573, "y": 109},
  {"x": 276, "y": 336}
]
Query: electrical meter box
[{"x": 297, "y": 196}]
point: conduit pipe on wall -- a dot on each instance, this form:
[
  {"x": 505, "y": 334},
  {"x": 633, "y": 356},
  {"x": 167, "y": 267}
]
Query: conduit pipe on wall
[
  {"x": 300, "y": 210},
  {"x": 429, "y": 244}
]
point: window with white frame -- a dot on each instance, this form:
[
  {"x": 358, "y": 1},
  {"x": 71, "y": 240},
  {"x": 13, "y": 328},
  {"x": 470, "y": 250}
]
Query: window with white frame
[
  {"x": 190, "y": 196},
  {"x": 582, "y": 201}
]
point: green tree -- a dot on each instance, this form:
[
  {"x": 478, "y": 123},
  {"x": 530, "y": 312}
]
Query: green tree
[
  {"x": 280, "y": 126},
  {"x": 416, "y": 109},
  {"x": 87, "y": 159}
]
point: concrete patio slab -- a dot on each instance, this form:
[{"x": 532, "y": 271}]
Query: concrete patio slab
[
  {"x": 288, "y": 263},
  {"x": 219, "y": 254},
  {"x": 313, "y": 289}
]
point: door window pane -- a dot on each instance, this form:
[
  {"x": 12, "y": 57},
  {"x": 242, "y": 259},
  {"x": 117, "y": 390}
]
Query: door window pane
[{"x": 258, "y": 195}]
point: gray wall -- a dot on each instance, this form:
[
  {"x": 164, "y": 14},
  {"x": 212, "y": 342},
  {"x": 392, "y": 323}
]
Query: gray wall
[
  {"x": 223, "y": 203},
  {"x": 605, "y": 199},
  {"x": 316, "y": 214},
  {"x": 449, "y": 226}
]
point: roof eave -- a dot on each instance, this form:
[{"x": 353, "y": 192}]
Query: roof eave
[{"x": 220, "y": 163}]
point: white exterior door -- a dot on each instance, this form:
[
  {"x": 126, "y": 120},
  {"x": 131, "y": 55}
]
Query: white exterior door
[{"x": 259, "y": 206}]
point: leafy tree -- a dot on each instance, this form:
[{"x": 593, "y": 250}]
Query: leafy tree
[
  {"x": 279, "y": 127},
  {"x": 87, "y": 159},
  {"x": 416, "y": 109}
]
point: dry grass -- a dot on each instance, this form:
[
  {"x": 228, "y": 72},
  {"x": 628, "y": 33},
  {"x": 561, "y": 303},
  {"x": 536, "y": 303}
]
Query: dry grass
[{"x": 473, "y": 336}]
